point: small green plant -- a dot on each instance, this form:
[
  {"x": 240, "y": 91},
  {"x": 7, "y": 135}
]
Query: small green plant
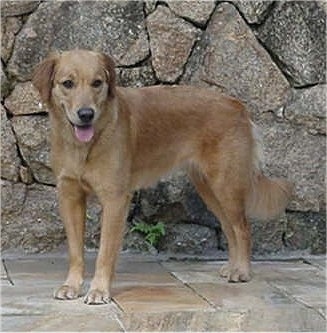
[{"x": 152, "y": 233}]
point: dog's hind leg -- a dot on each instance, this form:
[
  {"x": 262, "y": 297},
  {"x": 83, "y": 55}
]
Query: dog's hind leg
[
  {"x": 239, "y": 270},
  {"x": 228, "y": 206},
  {"x": 208, "y": 196}
]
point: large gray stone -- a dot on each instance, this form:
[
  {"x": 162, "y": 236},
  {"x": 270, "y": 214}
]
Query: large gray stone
[
  {"x": 114, "y": 27},
  {"x": 9, "y": 28},
  {"x": 5, "y": 83},
  {"x": 171, "y": 42},
  {"x": 195, "y": 11},
  {"x": 305, "y": 231},
  {"x": 293, "y": 152},
  {"x": 32, "y": 223},
  {"x": 13, "y": 196},
  {"x": 33, "y": 138},
  {"x": 295, "y": 33},
  {"x": 174, "y": 200},
  {"x": 189, "y": 239},
  {"x": 308, "y": 108},
  {"x": 136, "y": 77},
  {"x": 24, "y": 100},
  {"x": 267, "y": 236},
  {"x": 16, "y": 8},
  {"x": 230, "y": 58},
  {"x": 9, "y": 157},
  {"x": 254, "y": 11}
]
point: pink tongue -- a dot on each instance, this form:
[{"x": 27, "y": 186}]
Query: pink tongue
[{"x": 84, "y": 134}]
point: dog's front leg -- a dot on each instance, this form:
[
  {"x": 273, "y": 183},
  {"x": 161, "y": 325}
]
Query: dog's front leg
[
  {"x": 112, "y": 230},
  {"x": 72, "y": 205}
]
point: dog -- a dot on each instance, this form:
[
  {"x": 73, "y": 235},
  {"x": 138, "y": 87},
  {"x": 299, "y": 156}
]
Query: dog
[{"x": 109, "y": 141}]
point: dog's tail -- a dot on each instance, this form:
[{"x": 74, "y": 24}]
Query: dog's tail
[{"x": 268, "y": 197}]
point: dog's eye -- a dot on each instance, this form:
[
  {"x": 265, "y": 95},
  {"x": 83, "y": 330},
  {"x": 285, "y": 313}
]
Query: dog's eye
[
  {"x": 68, "y": 84},
  {"x": 96, "y": 83}
]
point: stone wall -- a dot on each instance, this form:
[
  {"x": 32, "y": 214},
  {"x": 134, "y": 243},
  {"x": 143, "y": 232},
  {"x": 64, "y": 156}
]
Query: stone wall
[{"x": 270, "y": 54}]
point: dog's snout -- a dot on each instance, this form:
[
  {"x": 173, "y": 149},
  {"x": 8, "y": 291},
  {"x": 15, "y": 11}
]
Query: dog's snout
[{"x": 85, "y": 115}]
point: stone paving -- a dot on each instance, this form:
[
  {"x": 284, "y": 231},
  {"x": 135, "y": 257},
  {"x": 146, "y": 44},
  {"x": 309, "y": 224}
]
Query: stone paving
[{"x": 152, "y": 294}]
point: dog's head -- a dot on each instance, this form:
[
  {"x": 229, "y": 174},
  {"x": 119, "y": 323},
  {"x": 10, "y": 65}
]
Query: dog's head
[{"x": 79, "y": 84}]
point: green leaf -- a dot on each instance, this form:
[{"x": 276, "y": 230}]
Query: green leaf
[{"x": 152, "y": 233}]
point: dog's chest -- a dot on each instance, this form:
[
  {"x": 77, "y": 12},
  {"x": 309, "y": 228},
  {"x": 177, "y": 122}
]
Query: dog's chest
[
  {"x": 95, "y": 172},
  {"x": 76, "y": 165}
]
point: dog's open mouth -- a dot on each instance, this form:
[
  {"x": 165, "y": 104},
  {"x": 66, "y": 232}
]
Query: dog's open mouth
[{"x": 84, "y": 133}]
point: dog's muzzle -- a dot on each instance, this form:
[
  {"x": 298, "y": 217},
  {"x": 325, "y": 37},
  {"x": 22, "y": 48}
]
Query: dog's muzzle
[{"x": 85, "y": 131}]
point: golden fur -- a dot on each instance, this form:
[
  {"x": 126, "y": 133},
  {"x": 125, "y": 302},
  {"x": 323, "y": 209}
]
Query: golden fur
[{"x": 136, "y": 136}]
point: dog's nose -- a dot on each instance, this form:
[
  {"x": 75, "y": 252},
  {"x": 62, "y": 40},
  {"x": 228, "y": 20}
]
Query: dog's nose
[{"x": 85, "y": 114}]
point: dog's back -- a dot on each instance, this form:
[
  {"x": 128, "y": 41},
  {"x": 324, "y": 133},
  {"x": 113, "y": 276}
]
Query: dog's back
[{"x": 174, "y": 126}]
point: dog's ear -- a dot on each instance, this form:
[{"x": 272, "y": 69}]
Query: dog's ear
[
  {"x": 43, "y": 76},
  {"x": 109, "y": 66}
]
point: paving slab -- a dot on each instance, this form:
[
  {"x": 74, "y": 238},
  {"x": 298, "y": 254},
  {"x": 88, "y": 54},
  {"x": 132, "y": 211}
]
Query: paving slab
[
  {"x": 182, "y": 321},
  {"x": 151, "y": 294}
]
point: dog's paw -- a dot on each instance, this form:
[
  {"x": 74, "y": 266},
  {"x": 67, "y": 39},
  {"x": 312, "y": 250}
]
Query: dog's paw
[
  {"x": 96, "y": 296},
  {"x": 224, "y": 271},
  {"x": 67, "y": 292},
  {"x": 235, "y": 274}
]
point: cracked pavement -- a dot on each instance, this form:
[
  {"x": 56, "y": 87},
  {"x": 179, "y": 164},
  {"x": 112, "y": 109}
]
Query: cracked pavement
[{"x": 153, "y": 294}]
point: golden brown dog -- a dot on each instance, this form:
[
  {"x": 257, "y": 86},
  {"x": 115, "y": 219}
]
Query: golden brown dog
[{"x": 110, "y": 141}]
